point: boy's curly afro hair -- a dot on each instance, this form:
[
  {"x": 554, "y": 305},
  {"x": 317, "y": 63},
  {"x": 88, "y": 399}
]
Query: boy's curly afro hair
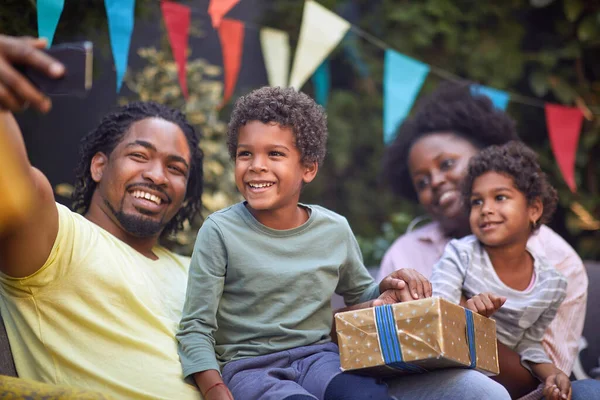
[
  {"x": 518, "y": 162},
  {"x": 288, "y": 108},
  {"x": 451, "y": 108}
]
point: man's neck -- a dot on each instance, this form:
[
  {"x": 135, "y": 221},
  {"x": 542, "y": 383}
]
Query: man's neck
[{"x": 143, "y": 246}]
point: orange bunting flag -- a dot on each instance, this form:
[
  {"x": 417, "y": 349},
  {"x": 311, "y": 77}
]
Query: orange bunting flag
[
  {"x": 217, "y": 9},
  {"x": 564, "y": 126},
  {"x": 177, "y": 20},
  {"x": 231, "y": 34}
]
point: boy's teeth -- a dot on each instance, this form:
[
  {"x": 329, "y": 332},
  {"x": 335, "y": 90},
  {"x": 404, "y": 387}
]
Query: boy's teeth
[{"x": 260, "y": 185}]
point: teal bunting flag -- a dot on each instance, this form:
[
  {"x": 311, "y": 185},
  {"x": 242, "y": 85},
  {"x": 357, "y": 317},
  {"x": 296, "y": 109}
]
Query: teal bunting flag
[
  {"x": 48, "y": 14},
  {"x": 321, "y": 80},
  {"x": 498, "y": 97},
  {"x": 120, "y": 26},
  {"x": 402, "y": 80}
]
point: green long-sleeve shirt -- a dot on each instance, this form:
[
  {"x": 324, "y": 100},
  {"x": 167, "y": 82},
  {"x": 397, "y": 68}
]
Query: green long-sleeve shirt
[{"x": 253, "y": 290}]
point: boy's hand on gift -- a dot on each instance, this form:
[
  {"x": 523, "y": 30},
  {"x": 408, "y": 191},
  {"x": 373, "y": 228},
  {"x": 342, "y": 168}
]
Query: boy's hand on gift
[
  {"x": 392, "y": 296},
  {"x": 486, "y": 303},
  {"x": 557, "y": 387},
  {"x": 418, "y": 285}
]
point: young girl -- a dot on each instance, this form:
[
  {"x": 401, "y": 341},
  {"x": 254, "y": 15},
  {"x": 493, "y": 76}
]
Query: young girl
[{"x": 509, "y": 197}]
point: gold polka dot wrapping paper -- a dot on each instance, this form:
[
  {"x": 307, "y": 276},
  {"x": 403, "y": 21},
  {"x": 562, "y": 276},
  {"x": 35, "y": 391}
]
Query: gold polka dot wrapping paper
[{"x": 416, "y": 336}]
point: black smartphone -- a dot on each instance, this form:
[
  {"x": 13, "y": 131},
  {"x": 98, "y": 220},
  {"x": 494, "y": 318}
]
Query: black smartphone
[{"x": 77, "y": 80}]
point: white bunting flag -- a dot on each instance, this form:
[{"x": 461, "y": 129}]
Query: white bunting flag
[
  {"x": 320, "y": 33},
  {"x": 276, "y": 52}
]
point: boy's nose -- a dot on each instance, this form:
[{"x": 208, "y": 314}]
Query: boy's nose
[{"x": 258, "y": 164}]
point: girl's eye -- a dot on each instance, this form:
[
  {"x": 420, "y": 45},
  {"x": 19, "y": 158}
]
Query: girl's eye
[
  {"x": 243, "y": 153},
  {"x": 501, "y": 197},
  {"x": 476, "y": 202},
  {"x": 276, "y": 154},
  {"x": 446, "y": 164}
]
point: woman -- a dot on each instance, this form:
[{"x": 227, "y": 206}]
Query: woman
[{"x": 427, "y": 162}]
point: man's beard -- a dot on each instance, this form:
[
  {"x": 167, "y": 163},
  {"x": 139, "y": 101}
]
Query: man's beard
[{"x": 136, "y": 225}]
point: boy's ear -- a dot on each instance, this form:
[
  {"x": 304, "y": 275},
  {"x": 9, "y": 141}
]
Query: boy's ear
[
  {"x": 310, "y": 171},
  {"x": 536, "y": 209},
  {"x": 99, "y": 162}
]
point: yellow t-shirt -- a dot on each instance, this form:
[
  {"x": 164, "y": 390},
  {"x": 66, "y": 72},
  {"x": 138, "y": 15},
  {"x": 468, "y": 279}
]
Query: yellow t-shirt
[{"x": 99, "y": 315}]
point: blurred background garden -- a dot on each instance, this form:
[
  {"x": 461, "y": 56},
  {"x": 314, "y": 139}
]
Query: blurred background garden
[{"x": 537, "y": 50}]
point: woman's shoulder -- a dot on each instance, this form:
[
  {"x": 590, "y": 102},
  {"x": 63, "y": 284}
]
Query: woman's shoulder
[{"x": 551, "y": 246}]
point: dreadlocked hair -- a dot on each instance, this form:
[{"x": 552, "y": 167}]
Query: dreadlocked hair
[
  {"x": 452, "y": 108},
  {"x": 108, "y": 135}
]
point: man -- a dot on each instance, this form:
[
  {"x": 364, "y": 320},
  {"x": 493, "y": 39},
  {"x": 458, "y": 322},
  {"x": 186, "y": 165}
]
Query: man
[{"x": 93, "y": 301}]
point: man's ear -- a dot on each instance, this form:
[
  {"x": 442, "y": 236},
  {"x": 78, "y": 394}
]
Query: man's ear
[
  {"x": 310, "y": 171},
  {"x": 535, "y": 209},
  {"x": 97, "y": 166}
]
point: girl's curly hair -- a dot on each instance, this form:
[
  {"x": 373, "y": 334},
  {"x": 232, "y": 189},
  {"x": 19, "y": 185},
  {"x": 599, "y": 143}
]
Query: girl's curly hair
[
  {"x": 519, "y": 162},
  {"x": 451, "y": 108},
  {"x": 108, "y": 135},
  {"x": 288, "y": 108}
]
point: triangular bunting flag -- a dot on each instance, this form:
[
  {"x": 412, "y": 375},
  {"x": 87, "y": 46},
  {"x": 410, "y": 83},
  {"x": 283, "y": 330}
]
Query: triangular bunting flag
[
  {"x": 564, "y": 126},
  {"x": 275, "y": 46},
  {"x": 498, "y": 97},
  {"x": 217, "y": 9},
  {"x": 48, "y": 14},
  {"x": 177, "y": 20},
  {"x": 320, "y": 33},
  {"x": 231, "y": 34},
  {"x": 120, "y": 27},
  {"x": 322, "y": 83},
  {"x": 402, "y": 81}
]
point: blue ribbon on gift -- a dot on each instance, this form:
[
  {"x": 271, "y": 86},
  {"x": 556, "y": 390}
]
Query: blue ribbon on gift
[
  {"x": 391, "y": 350},
  {"x": 471, "y": 337}
]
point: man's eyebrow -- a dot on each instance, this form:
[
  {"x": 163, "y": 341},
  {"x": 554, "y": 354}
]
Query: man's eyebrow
[
  {"x": 173, "y": 157},
  {"x": 142, "y": 143},
  {"x": 150, "y": 146}
]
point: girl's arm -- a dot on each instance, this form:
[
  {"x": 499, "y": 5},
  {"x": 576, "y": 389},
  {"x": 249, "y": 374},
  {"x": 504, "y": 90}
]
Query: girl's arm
[
  {"x": 449, "y": 274},
  {"x": 556, "y": 384}
]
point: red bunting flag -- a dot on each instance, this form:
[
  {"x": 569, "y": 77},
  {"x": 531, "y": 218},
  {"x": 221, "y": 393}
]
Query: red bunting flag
[
  {"x": 217, "y": 9},
  {"x": 231, "y": 34},
  {"x": 564, "y": 126},
  {"x": 177, "y": 20}
]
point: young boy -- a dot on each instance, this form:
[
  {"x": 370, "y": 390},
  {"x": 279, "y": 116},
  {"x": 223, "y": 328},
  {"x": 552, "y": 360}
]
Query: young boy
[{"x": 263, "y": 271}]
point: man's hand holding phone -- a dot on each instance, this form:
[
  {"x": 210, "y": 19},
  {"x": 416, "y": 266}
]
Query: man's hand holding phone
[{"x": 16, "y": 91}]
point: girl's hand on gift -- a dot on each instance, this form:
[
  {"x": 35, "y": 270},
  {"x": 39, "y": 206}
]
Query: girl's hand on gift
[
  {"x": 486, "y": 303},
  {"x": 418, "y": 285},
  {"x": 557, "y": 387}
]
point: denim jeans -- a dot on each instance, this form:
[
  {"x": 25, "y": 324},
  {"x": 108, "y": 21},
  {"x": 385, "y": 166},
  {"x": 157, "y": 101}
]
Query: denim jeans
[
  {"x": 448, "y": 384},
  {"x": 587, "y": 389}
]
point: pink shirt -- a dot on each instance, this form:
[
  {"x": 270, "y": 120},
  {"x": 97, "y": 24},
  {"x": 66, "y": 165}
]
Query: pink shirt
[{"x": 423, "y": 247}]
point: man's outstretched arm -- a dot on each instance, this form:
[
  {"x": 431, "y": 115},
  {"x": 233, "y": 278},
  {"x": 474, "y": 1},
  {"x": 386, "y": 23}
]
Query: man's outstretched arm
[{"x": 26, "y": 241}]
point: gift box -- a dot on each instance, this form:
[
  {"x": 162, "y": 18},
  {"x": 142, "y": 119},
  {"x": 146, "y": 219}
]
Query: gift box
[{"x": 416, "y": 336}]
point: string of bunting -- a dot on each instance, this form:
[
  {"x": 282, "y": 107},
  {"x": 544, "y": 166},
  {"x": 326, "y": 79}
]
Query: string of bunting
[{"x": 321, "y": 31}]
